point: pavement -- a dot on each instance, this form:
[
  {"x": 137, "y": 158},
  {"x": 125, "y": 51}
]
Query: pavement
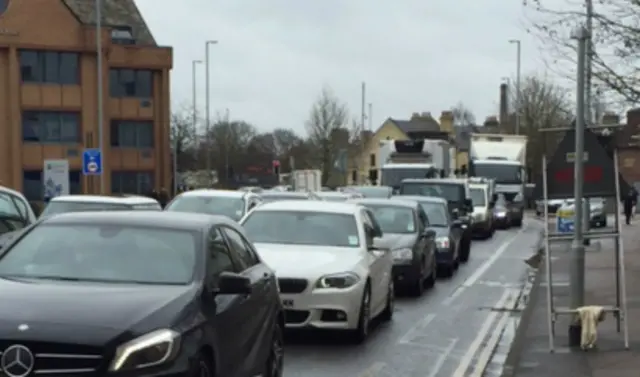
[
  {"x": 530, "y": 354},
  {"x": 463, "y": 327}
]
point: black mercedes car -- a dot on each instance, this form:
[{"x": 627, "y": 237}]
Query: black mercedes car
[
  {"x": 406, "y": 232},
  {"x": 447, "y": 232},
  {"x": 138, "y": 294}
]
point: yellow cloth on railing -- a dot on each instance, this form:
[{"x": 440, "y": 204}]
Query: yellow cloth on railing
[{"x": 589, "y": 318}]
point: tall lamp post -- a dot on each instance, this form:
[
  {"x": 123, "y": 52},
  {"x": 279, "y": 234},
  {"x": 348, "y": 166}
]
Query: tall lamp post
[
  {"x": 194, "y": 96},
  {"x": 518, "y": 94},
  {"x": 207, "y": 110},
  {"x": 100, "y": 95}
]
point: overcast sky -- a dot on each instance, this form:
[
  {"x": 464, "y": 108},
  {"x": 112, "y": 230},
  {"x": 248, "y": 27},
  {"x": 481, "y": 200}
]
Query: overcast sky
[{"x": 274, "y": 56}]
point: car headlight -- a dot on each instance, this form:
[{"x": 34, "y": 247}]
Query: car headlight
[
  {"x": 402, "y": 254},
  {"x": 501, "y": 214},
  {"x": 341, "y": 280},
  {"x": 443, "y": 242},
  {"x": 148, "y": 350}
]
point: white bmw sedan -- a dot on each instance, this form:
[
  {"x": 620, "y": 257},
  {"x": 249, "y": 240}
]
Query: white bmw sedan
[{"x": 330, "y": 274}]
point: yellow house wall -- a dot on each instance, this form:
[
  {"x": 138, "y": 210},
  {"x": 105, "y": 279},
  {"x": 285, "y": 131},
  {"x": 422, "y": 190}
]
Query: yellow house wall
[{"x": 388, "y": 131}]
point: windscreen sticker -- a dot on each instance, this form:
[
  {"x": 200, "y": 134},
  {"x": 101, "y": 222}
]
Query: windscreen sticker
[
  {"x": 411, "y": 227},
  {"x": 353, "y": 240}
]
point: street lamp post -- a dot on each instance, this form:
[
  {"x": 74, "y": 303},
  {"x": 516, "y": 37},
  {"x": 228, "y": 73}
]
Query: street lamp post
[
  {"x": 208, "y": 108},
  {"x": 518, "y": 94},
  {"x": 100, "y": 95},
  {"x": 194, "y": 94}
]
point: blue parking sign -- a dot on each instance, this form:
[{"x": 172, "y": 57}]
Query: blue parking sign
[{"x": 92, "y": 162}]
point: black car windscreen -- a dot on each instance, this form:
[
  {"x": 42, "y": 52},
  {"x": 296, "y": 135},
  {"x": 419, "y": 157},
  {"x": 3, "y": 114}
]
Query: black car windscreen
[
  {"x": 452, "y": 192},
  {"x": 507, "y": 174}
]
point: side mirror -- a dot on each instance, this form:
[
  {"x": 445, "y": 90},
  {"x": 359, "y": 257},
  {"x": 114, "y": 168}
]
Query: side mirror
[
  {"x": 374, "y": 232},
  {"x": 429, "y": 233},
  {"x": 468, "y": 203},
  {"x": 230, "y": 283}
]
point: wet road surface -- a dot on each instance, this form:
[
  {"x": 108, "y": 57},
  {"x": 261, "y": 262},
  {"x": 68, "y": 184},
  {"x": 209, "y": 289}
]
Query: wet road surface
[{"x": 461, "y": 328}]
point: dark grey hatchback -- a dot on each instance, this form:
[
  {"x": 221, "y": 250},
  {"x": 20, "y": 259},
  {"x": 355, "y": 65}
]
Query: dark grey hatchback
[
  {"x": 406, "y": 233},
  {"x": 139, "y": 294}
]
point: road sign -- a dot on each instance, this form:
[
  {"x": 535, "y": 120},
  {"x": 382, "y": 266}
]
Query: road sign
[
  {"x": 92, "y": 162},
  {"x": 599, "y": 171},
  {"x": 56, "y": 178}
]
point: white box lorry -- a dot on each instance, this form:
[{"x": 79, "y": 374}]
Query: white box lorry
[{"x": 502, "y": 158}]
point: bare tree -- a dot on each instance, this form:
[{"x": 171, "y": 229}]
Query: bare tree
[
  {"x": 229, "y": 143},
  {"x": 462, "y": 115},
  {"x": 182, "y": 138},
  {"x": 543, "y": 104},
  {"x": 326, "y": 125},
  {"x": 616, "y": 40}
]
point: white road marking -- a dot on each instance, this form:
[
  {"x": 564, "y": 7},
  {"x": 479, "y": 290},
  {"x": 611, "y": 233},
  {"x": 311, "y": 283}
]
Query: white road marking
[
  {"x": 485, "y": 356},
  {"x": 421, "y": 324},
  {"x": 373, "y": 370},
  {"x": 477, "y": 274},
  {"x": 507, "y": 297},
  {"x": 442, "y": 358}
]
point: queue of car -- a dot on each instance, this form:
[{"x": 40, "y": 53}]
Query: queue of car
[{"x": 209, "y": 285}]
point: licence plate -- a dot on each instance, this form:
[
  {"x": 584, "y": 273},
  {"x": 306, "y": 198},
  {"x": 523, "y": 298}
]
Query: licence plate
[{"x": 287, "y": 303}]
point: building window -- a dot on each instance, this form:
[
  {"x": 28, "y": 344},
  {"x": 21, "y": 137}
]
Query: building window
[
  {"x": 122, "y": 35},
  {"x": 131, "y": 83},
  {"x": 49, "y": 67},
  {"x": 129, "y": 182},
  {"x": 33, "y": 188},
  {"x": 50, "y": 127},
  {"x": 131, "y": 134},
  {"x": 372, "y": 160}
]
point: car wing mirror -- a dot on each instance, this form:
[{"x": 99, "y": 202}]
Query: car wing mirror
[{"x": 230, "y": 283}]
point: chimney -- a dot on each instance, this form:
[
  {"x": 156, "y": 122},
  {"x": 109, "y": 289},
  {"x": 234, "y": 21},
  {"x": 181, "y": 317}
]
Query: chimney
[
  {"x": 415, "y": 116},
  {"x": 446, "y": 122},
  {"x": 610, "y": 117},
  {"x": 633, "y": 118},
  {"x": 425, "y": 114},
  {"x": 492, "y": 123},
  {"x": 504, "y": 104}
]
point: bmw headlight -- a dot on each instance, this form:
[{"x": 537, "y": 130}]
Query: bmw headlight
[
  {"x": 501, "y": 214},
  {"x": 148, "y": 350},
  {"x": 341, "y": 280},
  {"x": 443, "y": 242},
  {"x": 404, "y": 254}
]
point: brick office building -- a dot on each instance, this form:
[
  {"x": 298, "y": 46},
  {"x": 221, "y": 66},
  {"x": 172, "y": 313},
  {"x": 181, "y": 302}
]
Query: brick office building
[{"x": 48, "y": 95}]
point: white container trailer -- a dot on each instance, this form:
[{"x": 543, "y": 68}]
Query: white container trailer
[{"x": 307, "y": 180}]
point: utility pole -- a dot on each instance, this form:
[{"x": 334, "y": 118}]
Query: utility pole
[
  {"x": 518, "y": 94},
  {"x": 100, "y": 96},
  {"x": 207, "y": 110},
  {"x": 588, "y": 95},
  {"x": 194, "y": 115},
  {"x": 227, "y": 131},
  {"x": 576, "y": 269},
  {"x": 363, "y": 114}
]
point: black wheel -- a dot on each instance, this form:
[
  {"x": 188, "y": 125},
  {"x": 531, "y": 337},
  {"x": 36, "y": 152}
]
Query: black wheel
[
  {"x": 430, "y": 281},
  {"x": 364, "y": 318},
  {"x": 204, "y": 366},
  {"x": 466, "y": 249},
  {"x": 387, "y": 313},
  {"x": 417, "y": 287},
  {"x": 275, "y": 361}
]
